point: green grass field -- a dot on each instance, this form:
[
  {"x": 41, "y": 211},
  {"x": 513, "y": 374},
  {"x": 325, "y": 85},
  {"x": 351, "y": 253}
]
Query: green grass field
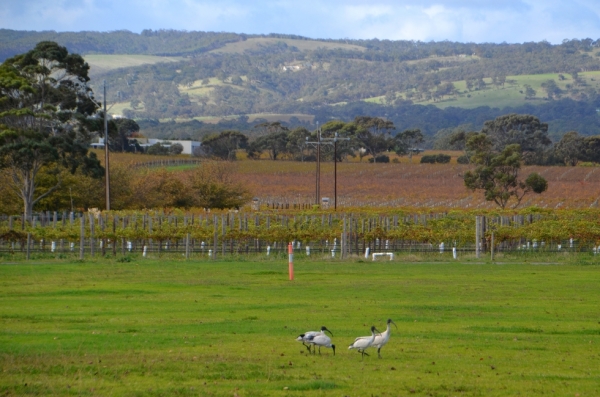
[
  {"x": 164, "y": 327},
  {"x": 508, "y": 95},
  {"x": 100, "y": 63}
]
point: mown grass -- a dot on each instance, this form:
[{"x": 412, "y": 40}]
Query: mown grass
[{"x": 163, "y": 327}]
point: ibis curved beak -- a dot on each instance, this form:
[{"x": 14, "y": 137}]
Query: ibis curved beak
[
  {"x": 394, "y": 324},
  {"x": 330, "y": 333}
]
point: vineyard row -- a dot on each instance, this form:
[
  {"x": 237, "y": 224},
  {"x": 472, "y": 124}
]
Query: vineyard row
[{"x": 256, "y": 232}]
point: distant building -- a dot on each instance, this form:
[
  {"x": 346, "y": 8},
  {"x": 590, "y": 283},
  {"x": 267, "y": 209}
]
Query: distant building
[{"x": 188, "y": 146}]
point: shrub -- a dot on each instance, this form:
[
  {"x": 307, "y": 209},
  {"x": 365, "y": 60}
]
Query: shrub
[
  {"x": 382, "y": 158},
  {"x": 442, "y": 158},
  {"x": 428, "y": 159},
  {"x": 176, "y": 148},
  {"x": 158, "y": 149},
  {"x": 463, "y": 159}
]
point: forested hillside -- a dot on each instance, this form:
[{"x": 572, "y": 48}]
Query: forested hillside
[{"x": 431, "y": 86}]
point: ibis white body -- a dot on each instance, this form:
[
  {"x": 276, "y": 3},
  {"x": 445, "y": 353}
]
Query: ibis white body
[
  {"x": 322, "y": 340},
  {"x": 383, "y": 338},
  {"x": 308, "y": 337},
  {"x": 362, "y": 343}
]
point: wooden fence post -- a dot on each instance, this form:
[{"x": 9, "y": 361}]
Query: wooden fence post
[
  {"x": 81, "y": 236},
  {"x": 187, "y": 246},
  {"x": 28, "y": 244}
]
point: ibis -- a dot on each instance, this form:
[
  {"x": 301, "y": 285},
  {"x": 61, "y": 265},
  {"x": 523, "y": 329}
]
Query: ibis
[
  {"x": 308, "y": 336},
  {"x": 383, "y": 338},
  {"x": 321, "y": 339},
  {"x": 362, "y": 343}
]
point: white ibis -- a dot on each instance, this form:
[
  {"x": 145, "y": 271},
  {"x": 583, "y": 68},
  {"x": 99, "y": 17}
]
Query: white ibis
[
  {"x": 362, "y": 343},
  {"x": 383, "y": 338},
  {"x": 321, "y": 339},
  {"x": 308, "y": 336}
]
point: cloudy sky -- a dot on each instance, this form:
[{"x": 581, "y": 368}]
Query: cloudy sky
[{"x": 511, "y": 21}]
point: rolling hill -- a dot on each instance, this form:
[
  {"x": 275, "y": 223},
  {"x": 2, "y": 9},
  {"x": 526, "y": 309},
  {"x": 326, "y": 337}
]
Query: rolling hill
[{"x": 206, "y": 76}]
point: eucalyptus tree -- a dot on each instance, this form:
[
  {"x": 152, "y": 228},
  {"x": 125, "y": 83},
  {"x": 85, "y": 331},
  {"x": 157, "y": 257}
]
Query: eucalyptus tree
[
  {"x": 224, "y": 145},
  {"x": 497, "y": 172},
  {"x": 570, "y": 149},
  {"x": 406, "y": 142},
  {"x": 525, "y": 130},
  {"x": 296, "y": 144},
  {"x": 125, "y": 128},
  {"x": 344, "y": 147},
  {"x": 46, "y": 124},
  {"x": 374, "y": 134}
]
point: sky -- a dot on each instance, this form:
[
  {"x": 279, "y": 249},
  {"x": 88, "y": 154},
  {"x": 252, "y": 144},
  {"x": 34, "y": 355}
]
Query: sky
[{"x": 478, "y": 21}]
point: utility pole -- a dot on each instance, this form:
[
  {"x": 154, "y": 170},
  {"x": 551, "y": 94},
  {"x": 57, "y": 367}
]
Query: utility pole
[
  {"x": 317, "y": 144},
  {"x": 318, "y": 198},
  {"x": 106, "y": 165},
  {"x": 335, "y": 140},
  {"x": 326, "y": 141}
]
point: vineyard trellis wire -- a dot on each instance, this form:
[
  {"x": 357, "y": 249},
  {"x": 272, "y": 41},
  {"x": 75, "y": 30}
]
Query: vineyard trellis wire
[{"x": 339, "y": 233}]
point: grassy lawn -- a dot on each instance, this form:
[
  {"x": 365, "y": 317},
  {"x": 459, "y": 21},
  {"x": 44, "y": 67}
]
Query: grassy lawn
[{"x": 166, "y": 327}]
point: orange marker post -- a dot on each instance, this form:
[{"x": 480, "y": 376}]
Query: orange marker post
[{"x": 291, "y": 260}]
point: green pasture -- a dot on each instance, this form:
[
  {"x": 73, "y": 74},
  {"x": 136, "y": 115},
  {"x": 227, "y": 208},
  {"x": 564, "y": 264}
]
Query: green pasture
[
  {"x": 167, "y": 327},
  {"x": 104, "y": 62},
  {"x": 508, "y": 95}
]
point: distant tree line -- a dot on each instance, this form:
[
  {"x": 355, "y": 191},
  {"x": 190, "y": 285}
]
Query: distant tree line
[
  {"x": 561, "y": 115},
  {"x": 364, "y": 136},
  {"x": 532, "y": 137}
]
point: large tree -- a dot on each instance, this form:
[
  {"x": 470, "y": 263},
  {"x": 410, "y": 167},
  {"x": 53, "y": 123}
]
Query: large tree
[
  {"x": 373, "y": 134},
  {"x": 524, "y": 130},
  {"x": 497, "y": 172},
  {"x": 570, "y": 149},
  {"x": 45, "y": 124},
  {"x": 296, "y": 144},
  {"x": 344, "y": 147},
  {"x": 125, "y": 129},
  {"x": 591, "y": 149},
  {"x": 406, "y": 142},
  {"x": 224, "y": 145}
]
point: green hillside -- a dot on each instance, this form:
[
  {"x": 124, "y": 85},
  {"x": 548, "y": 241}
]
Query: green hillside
[
  {"x": 102, "y": 63},
  {"x": 258, "y": 43},
  {"x": 175, "y": 75},
  {"x": 512, "y": 93}
]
